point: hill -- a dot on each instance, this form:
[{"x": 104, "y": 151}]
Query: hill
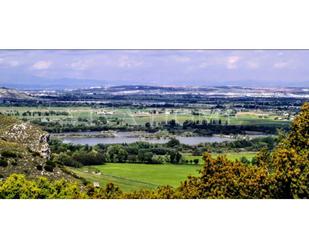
[
  {"x": 7, "y": 93},
  {"x": 24, "y": 149}
]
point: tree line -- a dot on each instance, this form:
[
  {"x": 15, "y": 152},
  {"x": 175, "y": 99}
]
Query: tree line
[{"x": 139, "y": 152}]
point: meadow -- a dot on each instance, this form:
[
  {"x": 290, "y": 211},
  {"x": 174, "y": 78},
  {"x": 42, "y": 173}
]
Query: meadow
[
  {"x": 230, "y": 155},
  {"x": 131, "y": 176}
]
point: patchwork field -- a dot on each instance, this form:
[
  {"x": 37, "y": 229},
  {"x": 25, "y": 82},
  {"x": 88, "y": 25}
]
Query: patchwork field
[{"x": 137, "y": 116}]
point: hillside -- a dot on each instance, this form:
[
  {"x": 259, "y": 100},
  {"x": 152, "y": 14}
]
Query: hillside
[
  {"x": 7, "y": 93},
  {"x": 24, "y": 149}
]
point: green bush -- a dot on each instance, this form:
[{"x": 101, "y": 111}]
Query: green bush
[
  {"x": 7, "y": 153},
  {"x": 3, "y": 163},
  {"x": 49, "y": 168}
]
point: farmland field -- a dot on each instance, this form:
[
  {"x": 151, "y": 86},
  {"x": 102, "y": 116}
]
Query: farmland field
[
  {"x": 129, "y": 176},
  {"x": 138, "y": 116},
  {"x": 230, "y": 155},
  {"x": 137, "y": 176}
]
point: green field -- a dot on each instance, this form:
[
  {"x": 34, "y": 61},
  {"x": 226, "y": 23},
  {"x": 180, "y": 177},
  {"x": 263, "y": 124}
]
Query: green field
[
  {"x": 129, "y": 176},
  {"x": 138, "y": 116},
  {"x": 230, "y": 155},
  {"x": 137, "y": 176}
]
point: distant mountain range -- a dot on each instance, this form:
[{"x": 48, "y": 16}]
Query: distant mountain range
[
  {"x": 101, "y": 93},
  {"x": 32, "y": 83}
]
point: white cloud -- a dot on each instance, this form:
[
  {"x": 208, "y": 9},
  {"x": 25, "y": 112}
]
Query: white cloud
[
  {"x": 182, "y": 59},
  {"x": 79, "y": 65},
  {"x": 14, "y": 63},
  {"x": 126, "y": 62},
  {"x": 11, "y": 63},
  {"x": 280, "y": 65},
  {"x": 231, "y": 62},
  {"x": 204, "y": 65},
  {"x": 253, "y": 65},
  {"x": 41, "y": 65}
]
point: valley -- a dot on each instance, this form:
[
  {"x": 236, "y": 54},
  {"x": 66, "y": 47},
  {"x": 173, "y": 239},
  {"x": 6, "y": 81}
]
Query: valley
[{"x": 141, "y": 138}]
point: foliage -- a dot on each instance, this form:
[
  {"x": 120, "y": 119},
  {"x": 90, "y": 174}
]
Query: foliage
[
  {"x": 116, "y": 153},
  {"x": 284, "y": 173},
  {"x": 291, "y": 159},
  {"x": 88, "y": 158},
  {"x": 3, "y": 162},
  {"x": 281, "y": 173}
]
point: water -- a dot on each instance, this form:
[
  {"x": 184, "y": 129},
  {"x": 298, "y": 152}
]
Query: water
[{"x": 132, "y": 137}]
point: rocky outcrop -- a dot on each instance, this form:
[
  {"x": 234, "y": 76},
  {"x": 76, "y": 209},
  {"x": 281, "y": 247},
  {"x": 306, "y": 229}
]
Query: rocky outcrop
[
  {"x": 30, "y": 136},
  {"x": 24, "y": 149}
]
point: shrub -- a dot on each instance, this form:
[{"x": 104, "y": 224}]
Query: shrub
[
  {"x": 49, "y": 168},
  {"x": 39, "y": 167},
  {"x": 196, "y": 161},
  {"x": 89, "y": 158},
  {"x": 7, "y": 153},
  {"x": 3, "y": 163},
  {"x": 67, "y": 160}
]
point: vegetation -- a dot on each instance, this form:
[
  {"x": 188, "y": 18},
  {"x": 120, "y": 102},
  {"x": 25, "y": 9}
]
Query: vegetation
[
  {"x": 202, "y": 115},
  {"x": 280, "y": 173},
  {"x": 130, "y": 177},
  {"x": 24, "y": 149},
  {"x": 139, "y": 152}
]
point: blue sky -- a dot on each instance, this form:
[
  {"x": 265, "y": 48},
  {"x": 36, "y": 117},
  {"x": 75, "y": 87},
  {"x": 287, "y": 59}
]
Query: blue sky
[{"x": 162, "y": 67}]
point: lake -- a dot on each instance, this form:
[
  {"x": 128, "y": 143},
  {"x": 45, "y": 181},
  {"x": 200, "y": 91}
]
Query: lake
[{"x": 132, "y": 137}]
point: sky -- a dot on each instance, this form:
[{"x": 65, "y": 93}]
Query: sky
[{"x": 84, "y": 68}]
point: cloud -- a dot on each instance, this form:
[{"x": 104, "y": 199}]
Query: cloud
[
  {"x": 157, "y": 65},
  {"x": 231, "y": 62},
  {"x": 41, "y": 65},
  {"x": 253, "y": 65},
  {"x": 10, "y": 63},
  {"x": 14, "y": 63},
  {"x": 280, "y": 65},
  {"x": 182, "y": 59},
  {"x": 79, "y": 65},
  {"x": 203, "y": 65},
  {"x": 126, "y": 62}
]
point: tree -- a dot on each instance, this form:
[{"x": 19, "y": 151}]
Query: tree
[
  {"x": 145, "y": 156},
  {"x": 173, "y": 143},
  {"x": 116, "y": 153},
  {"x": 244, "y": 160},
  {"x": 67, "y": 160},
  {"x": 290, "y": 159},
  {"x": 175, "y": 156},
  {"x": 89, "y": 158},
  {"x": 3, "y": 162},
  {"x": 222, "y": 178},
  {"x": 172, "y": 123},
  {"x": 283, "y": 173},
  {"x": 196, "y": 161},
  {"x": 159, "y": 159}
]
